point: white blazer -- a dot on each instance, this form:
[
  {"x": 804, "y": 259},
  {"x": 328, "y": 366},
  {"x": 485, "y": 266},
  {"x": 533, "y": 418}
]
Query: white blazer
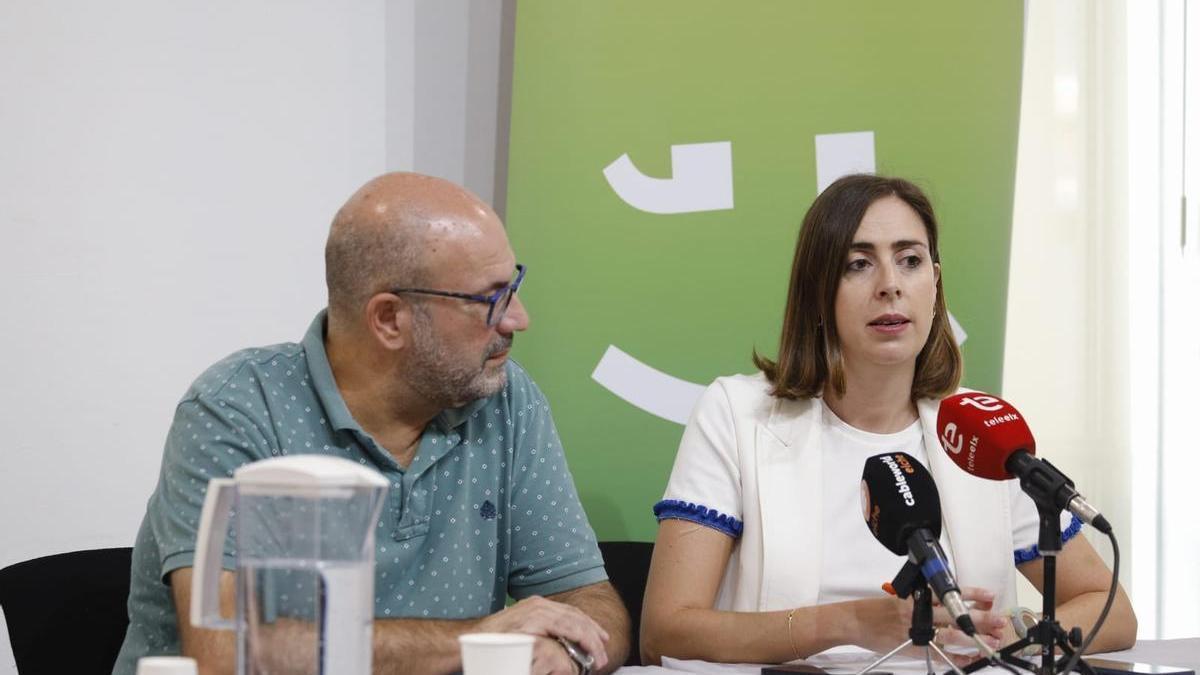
[{"x": 757, "y": 458}]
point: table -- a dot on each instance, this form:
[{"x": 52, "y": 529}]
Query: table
[{"x": 1184, "y": 653}]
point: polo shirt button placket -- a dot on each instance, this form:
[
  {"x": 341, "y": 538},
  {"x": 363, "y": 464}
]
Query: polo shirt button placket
[
  {"x": 397, "y": 492},
  {"x": 415, "y": 509}
]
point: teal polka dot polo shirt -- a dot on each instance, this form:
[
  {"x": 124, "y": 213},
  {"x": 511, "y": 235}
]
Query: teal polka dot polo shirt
[{"x": 486, "y": 509}]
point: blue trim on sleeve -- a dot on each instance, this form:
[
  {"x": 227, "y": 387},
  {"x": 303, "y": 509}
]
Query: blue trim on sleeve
[
  {"x": 1032, "y": 553},
  {"x": 697, "y": 513}
]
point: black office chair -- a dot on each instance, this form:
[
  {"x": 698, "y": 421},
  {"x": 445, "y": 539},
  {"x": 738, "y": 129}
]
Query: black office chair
[
  {"x": 628, "y": 565},
  {"x": 66, "y": 613}
]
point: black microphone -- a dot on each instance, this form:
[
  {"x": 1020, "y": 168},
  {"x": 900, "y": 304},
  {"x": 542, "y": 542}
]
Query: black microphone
[{"x": 902, "y": 510}]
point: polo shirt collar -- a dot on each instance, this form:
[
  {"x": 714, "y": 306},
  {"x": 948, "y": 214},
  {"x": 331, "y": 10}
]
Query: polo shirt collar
[
  {"x": 331, "y": 397},
  {"x": 322, "y": 377}
]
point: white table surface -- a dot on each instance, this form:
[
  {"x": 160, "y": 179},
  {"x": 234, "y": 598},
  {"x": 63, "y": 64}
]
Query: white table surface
[{"x": 1183, "y": 653}]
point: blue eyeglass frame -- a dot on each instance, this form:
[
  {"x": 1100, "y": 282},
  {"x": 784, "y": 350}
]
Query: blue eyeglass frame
[{"x": 493, "y": 317}]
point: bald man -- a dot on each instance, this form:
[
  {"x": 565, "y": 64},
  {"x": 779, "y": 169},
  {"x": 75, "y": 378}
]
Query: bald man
[{"x": 407, "y": 372}]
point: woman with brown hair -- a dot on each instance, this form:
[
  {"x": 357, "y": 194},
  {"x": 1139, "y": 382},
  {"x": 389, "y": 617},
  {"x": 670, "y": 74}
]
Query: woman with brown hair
[{"x": 762, "y": 555}]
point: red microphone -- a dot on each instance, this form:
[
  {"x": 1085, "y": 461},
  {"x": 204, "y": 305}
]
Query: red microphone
[
  {"x": 987, "y": 437},
  {"x": 981, "y": 432}
]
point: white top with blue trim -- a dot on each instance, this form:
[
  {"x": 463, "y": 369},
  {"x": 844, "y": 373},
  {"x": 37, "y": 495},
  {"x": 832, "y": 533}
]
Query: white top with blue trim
[
  {"x": 754, "y": 467},
  {"x": 853, "y": 563}
]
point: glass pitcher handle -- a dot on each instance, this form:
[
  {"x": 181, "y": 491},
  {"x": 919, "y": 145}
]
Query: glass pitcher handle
[{"x": 210, "y": 549}]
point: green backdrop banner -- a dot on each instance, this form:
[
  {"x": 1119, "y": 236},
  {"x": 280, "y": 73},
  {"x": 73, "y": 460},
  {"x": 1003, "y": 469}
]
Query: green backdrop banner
[{"x": 662, "y": 155}]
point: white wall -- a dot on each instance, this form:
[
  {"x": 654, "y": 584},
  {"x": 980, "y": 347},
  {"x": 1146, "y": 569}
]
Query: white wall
[
  {"x": 1163, "y": 116},
  {"x": 168, "y": 176},
  {"x": 1101, "y": 350},
  {"x": 167, "y": 179},
  {"x": 168, "y": 172},
  {"x": 462, "y": 75},
  {"x": 1066, "y": 362}
]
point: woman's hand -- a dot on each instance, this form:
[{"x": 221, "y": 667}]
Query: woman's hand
[
  {"x": 885, "y": 622},
  {"x": 992, "y": 627}
]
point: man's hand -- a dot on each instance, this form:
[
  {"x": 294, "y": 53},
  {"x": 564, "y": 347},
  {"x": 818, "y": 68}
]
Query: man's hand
[
  {"x": 420, "y": 645},
  {"x": 549, "y": 658},
  {"x": 549, "y": 619}
]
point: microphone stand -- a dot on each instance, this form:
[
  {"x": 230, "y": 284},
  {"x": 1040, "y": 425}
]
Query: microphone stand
[
  {"x": 910, "y": 581},
  {"x": 1047, "y": 634}
]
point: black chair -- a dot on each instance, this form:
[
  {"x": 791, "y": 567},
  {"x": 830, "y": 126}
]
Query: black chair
[
  {"x": 628, "y": 565},
  {"x": 66, "y": 613}
]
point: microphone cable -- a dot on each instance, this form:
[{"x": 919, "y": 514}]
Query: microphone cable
[
  {"x": 1087, "y": 642},
  {"x": 1112, "y": 594}
]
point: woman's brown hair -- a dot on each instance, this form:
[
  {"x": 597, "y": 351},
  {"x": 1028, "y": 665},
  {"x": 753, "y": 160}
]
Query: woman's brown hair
[{"x": 810, "y": 354}]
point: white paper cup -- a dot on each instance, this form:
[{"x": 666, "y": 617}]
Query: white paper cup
[
  {"x": 496, "y": 653},
  {"x": 166, "y": 665}
]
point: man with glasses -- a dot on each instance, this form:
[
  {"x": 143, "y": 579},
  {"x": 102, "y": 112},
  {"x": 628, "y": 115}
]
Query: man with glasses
[{"x": 407, "y": 371}]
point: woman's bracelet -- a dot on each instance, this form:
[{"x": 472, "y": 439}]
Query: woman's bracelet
[
  {"x": 792, "y": 640},
  {"x": 1022, "y": 621}
]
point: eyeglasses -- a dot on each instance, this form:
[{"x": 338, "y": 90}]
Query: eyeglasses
[{"x": 497, "y": 302}]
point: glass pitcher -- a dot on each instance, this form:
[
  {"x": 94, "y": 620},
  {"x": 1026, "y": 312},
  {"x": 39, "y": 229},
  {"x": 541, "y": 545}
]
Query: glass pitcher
[{"x": 304, "y": 528}]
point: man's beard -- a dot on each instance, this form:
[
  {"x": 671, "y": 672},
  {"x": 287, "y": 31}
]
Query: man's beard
[{"x": 452, "y": 381}]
